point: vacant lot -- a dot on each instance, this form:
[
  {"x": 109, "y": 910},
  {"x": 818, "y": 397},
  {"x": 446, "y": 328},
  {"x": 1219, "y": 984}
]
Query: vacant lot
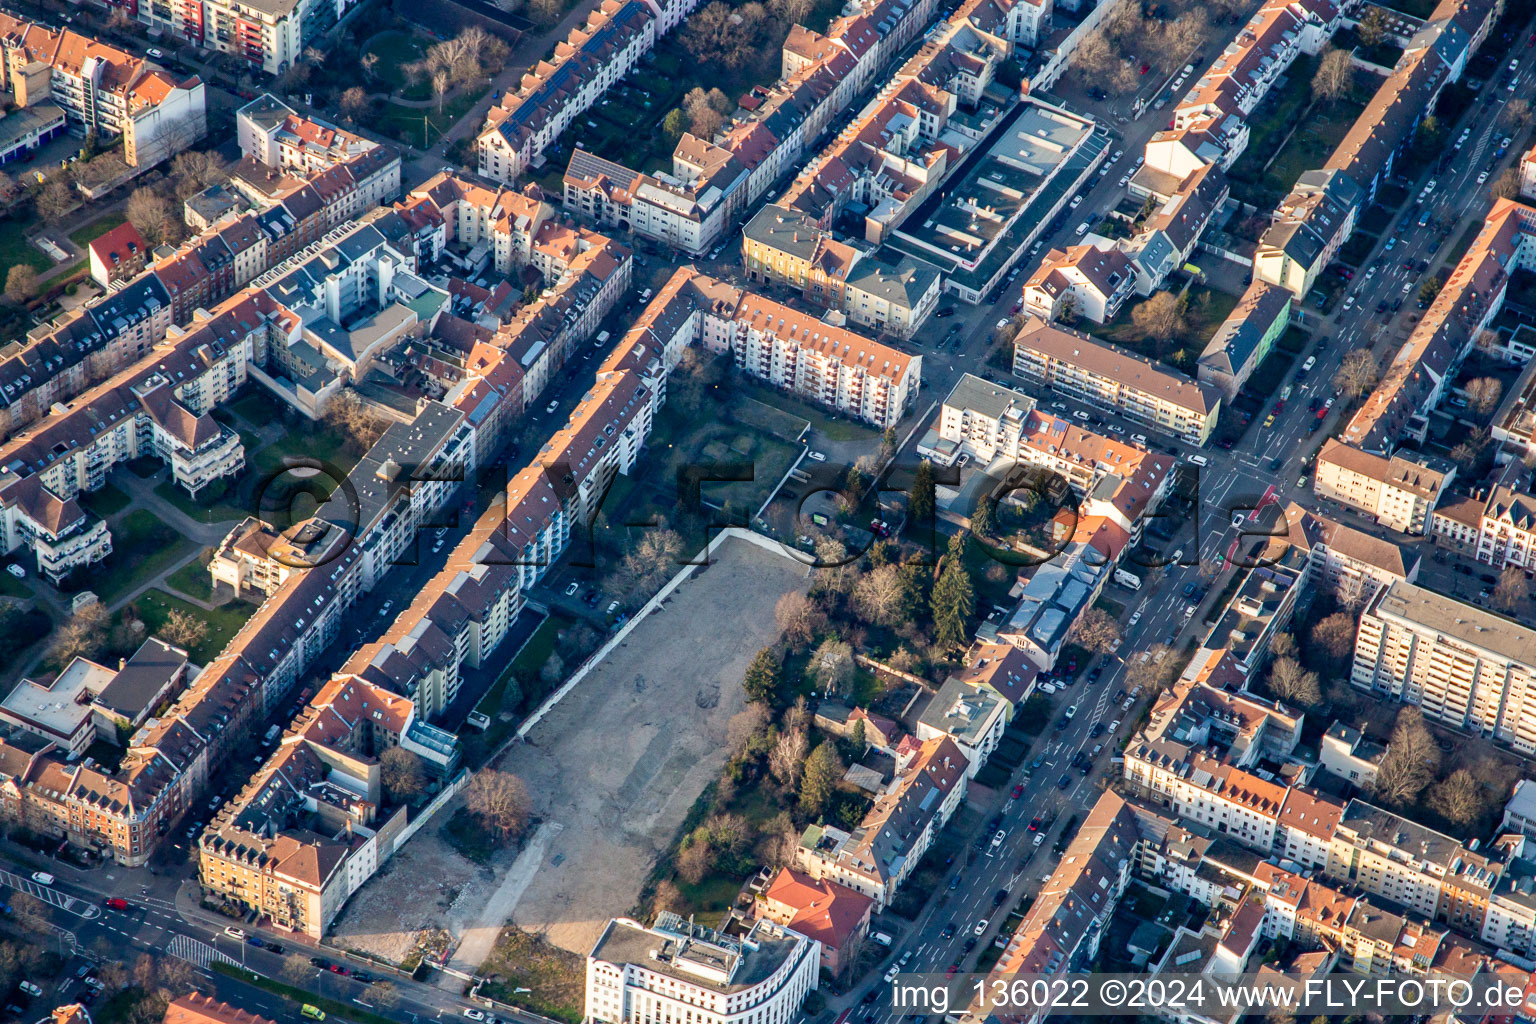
[{"x": 612, "y": 769}]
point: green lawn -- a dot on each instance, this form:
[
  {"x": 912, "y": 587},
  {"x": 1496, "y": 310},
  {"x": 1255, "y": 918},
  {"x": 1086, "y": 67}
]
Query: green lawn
[
  {"x": 10, "y": 586},
  {"x": 108, "y": 501},
  {"x": 395, "y": 50},
  {"x": 95, "y": 229},
  {"x": 203, "y": 509},
  {"x": 14, "y": 247},
  {"x": 193, "y": 580},
  {"x": 407, "y": 124},
  {"x": 155, "y": 606},
  {"x": 833, "y": 428},
  {"x": 142, "y": 547}
]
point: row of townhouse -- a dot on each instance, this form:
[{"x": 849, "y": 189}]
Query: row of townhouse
[
  {"x": 1312, "y": 223},
  {"x": 713, "y": 181},
  {"x": 1354, "y": 843},
  {"x": 102, "y": 91},
  {"x": 270, "y": 36},
  {"x": 890, "y": 292},
  {"x": 613, "y": 39},
  {"x": 877, "y": 856},
  {"x": 1498, "y": 527},
  {"x": 1210, "y": 120},
  {"x": 1092, "y": 281},
  {"x": 1431, "y": 357},
  {"x": 1161, "y": 398},
  {"x": 298, "y": 841},
  {"x": 1400, "y": 490},
  {"x": 1016, "y": 446},
  {"x": 62, "y": 359}
]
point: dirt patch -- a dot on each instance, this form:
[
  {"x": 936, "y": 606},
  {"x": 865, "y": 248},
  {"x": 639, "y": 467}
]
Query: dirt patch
[{"x": 613, "y": 770}]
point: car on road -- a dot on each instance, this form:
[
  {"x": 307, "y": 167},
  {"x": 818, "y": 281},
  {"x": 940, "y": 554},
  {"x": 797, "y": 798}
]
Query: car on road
[
  {"x": 891, "y": 972},
  {"x": 997, "y": 840},
  {"x": 1482, "y": 176},
  {"x": 235, "y": 933},
  {"x": 17, "y": 571},
  {"x": 1097, "y": 731},
  {"x": 275, "y": 947},
  {"x": 474, "y": 1014},
  {"x": 339, "y": 969},
  {"x": 1076, "y": 202},
  {"x": 816, "y": 456},
  {"x": 1407, "y": 287},
  {"x": 981, "y": 927},
  {"x": 999, "y": 896},
  {"x": 42, "y": 878},
  {"x": 1081, "y": 229},
  {"x": 552, "y": 406},
  {"x": 256, "y": 941},
  {"x": 1018, "y": 790},
  {"x": 949, "y": 972},
  {"x": 1034, "y": 824},
  {"x": 1039, "y": 838},
  {"x": 1064, "y": 782},
  {"x": 115, "y": 903},
  {"x": 948, "y": 932},
  {"x": 319, "y": 962},
  {"x": 155, "y": 53}
]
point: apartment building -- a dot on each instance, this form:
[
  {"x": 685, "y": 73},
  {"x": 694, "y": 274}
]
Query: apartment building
[
  {"x": 1245, "y": 338},
  {"x": 1400, "y": 491},
  {"x": 972, "y": 717},
  {"x": 832, "y": 915},
  {"x": 270, "y": 36},
  {"x": 827, "y": 365},
  {"x": 1100, "y": 374},
  {"x": 890, "y": 292},
  {"x": 159, "y": 407},
  {"x": 676, "y": 969},
  {"x": 554, "y": 92},
  {"x": 1349, "y": 564},
  {"x": 1307, "y": 230},
  {"x": 1507, "y": 534},
  {"x": 1346, "y": 753},
  {"x": 876, "y": 857},
  {"x": 87, "y": 701},
  {"x": 1458, "y": 663},
  {"x": 117, "y": 255},
  {"x": 1080, "y": 281},
  {"x": 102, "y": 90}
]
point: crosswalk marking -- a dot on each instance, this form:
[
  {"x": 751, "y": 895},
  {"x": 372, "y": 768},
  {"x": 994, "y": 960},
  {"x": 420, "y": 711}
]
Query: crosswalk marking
[
  {"x": 49, "y": 895},
  {"x": 195, "y": 952}
]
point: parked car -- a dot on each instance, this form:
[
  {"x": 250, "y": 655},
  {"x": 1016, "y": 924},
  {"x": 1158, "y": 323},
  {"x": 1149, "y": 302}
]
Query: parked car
[
  {"x": 42, "y": 878},
  {"x": 981, "y": 927},
  {"x": 235, "y": 933},
  {"x": 16, "y": 570}
]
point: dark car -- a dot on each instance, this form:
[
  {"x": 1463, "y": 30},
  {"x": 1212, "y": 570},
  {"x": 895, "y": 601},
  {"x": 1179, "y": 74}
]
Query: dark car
[
  {"x": 1096, "y": 731},
  {"x": 255, "y": 940},
  {"x": 273, "y": 947},
  {"x": 944, "y": 311},
  {"x": 1034, "y": 824},
  {"x": 970, "y": 944},
  {"x": 948, "y": 932},
  {"x": 998, "y": 897},
  {"x": 315, "y": 961},
  {"x": 1064, "y": 782}
]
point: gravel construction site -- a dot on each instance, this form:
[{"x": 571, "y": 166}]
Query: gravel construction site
[{"x": 612, "y": 770}]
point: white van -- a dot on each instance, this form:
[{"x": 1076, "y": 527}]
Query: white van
[
  {"x": 602, "y": 339},
  {"x": 1081, "y": 230},
  {"x": 1199, "y": 460}
]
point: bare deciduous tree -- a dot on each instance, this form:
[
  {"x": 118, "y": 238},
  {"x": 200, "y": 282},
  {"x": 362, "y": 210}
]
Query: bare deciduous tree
[
  {"x": 1513, "y": 591},
  {"x": 1096, "y": 631},
  {"x": 788, "y": 757},
  {"x": 881, "y": 594},
  {"x": 20, "y": 283},
  {"x": 401, "y": 773},
  {"x": 149, "y": 213},
  {"x": 798, "y": 618},
  {"x": 500, "y": 800},
  {"x": 1160, "y": 317},
  {"x": 1357, "y": 373},
  {"x": 1410, "y": 760},
  {"x": 1459, "y": 797},
  {"x": 1288, "y": 681},
  {"x": 1334, "y": 75},
  {"x": 183, "y": 629},
  {"x": 1483, "y": 394}
]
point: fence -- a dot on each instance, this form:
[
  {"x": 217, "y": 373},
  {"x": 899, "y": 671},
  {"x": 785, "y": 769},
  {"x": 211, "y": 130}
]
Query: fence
[{"x": 430, "y": 811}]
